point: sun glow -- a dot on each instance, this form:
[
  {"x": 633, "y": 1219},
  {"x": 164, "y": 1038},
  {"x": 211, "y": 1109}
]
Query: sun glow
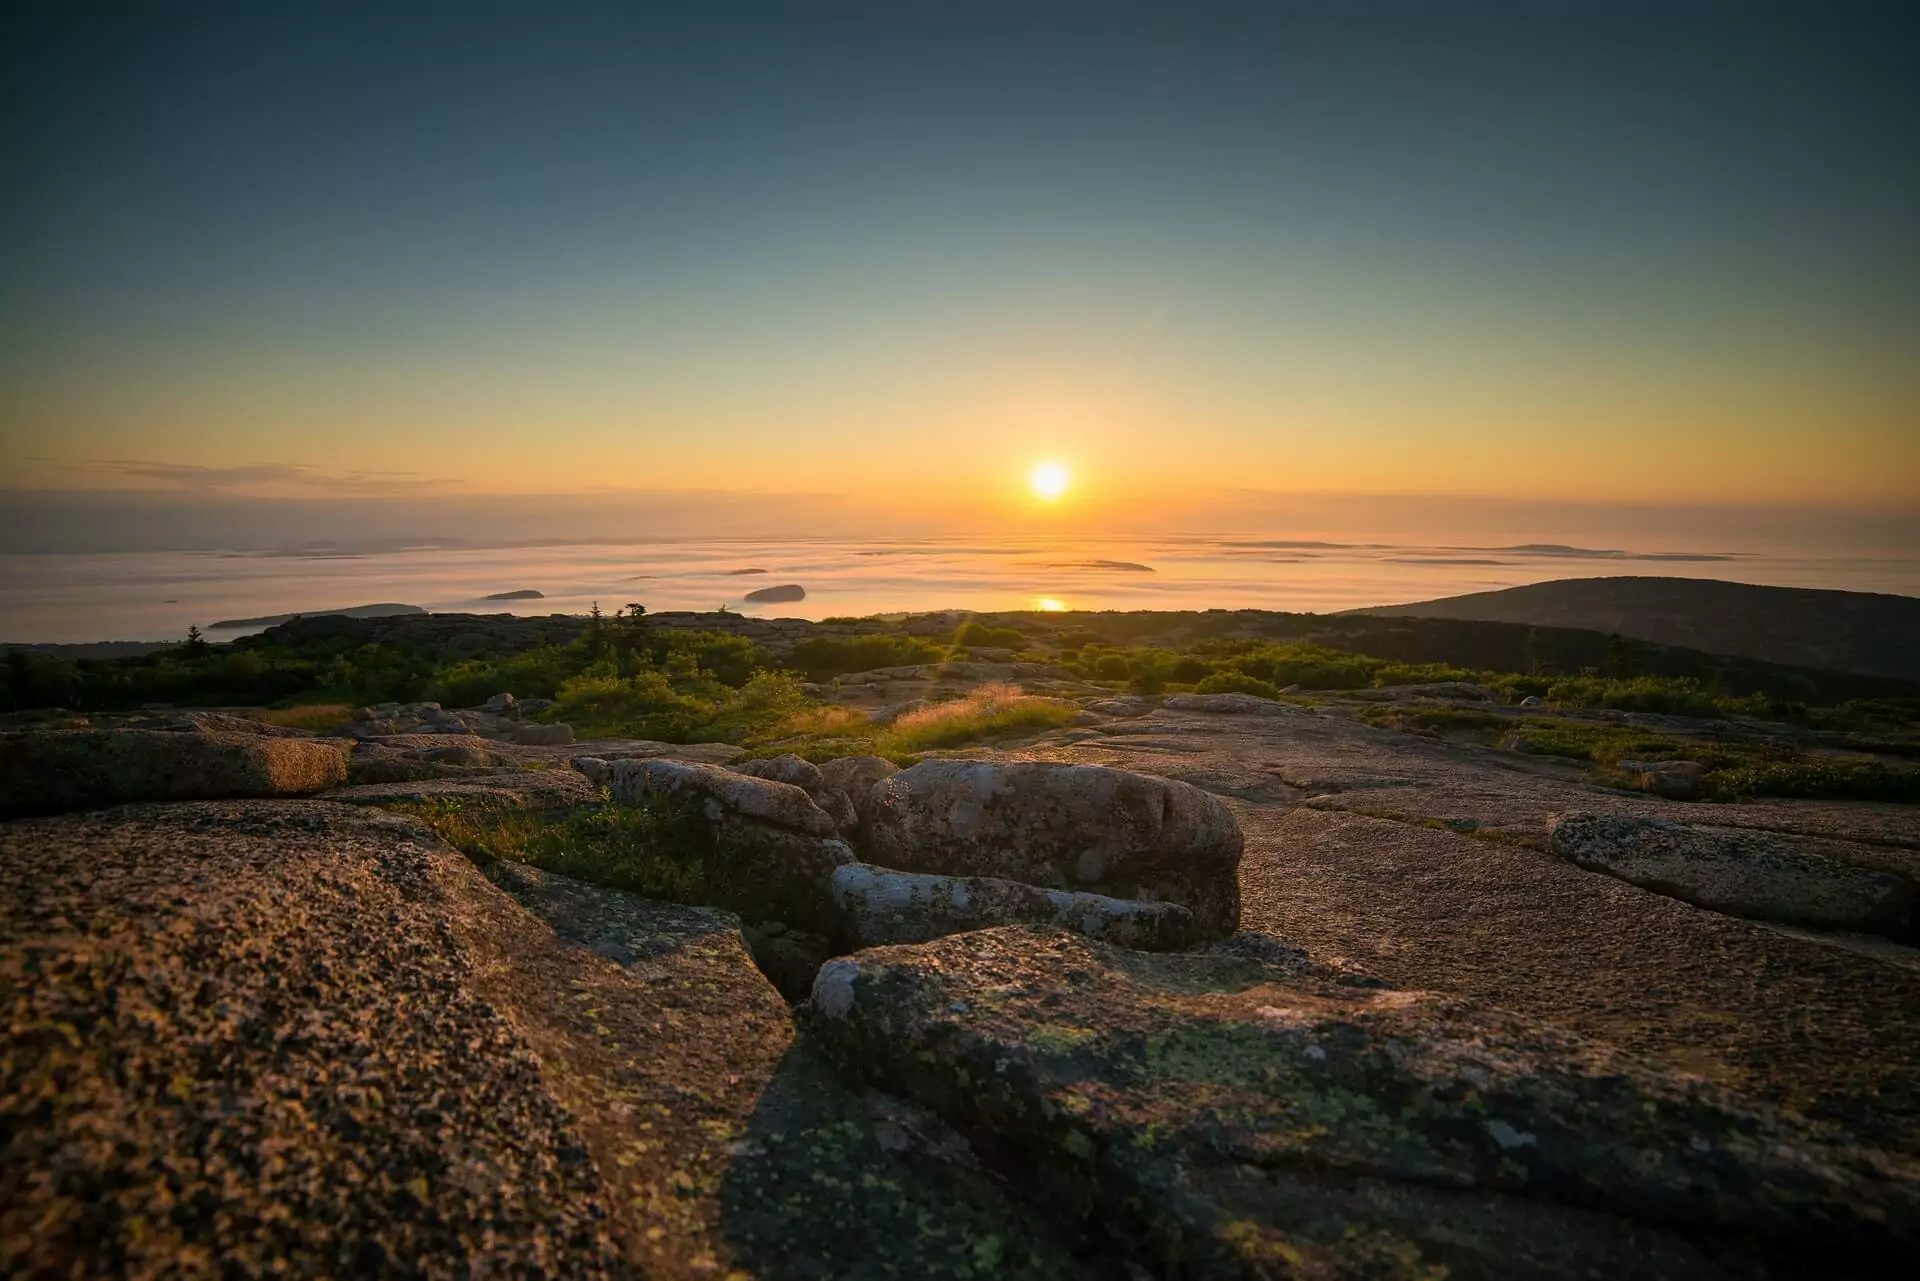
[{"x": 1049, "y": 480}]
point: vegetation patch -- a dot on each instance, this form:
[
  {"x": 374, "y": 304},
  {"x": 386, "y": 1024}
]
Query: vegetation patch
[
  {"x": 979, "y": 635},
  {"x": 824, "y": 657},
  {"x": 988, "y": 711},
  {"x": 660, "y": 849},
  {"x": 1838, "y": 780}
]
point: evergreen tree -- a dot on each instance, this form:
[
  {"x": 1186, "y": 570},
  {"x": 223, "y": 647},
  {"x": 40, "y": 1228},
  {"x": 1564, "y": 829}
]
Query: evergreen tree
[
  {"x": 631, "y": 632},
  {"x": 594, "y": 639}
]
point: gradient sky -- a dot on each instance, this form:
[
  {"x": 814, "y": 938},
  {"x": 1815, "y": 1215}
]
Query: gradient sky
[{"x": 1651, "y": 252}]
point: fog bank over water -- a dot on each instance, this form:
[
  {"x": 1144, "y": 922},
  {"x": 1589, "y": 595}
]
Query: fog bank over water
[
  {"x": 73, "y": 521},
  {"x": 153, "y": 595}
]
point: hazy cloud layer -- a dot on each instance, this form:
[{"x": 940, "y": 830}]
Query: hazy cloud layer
[{"x": 200, "y": 479}]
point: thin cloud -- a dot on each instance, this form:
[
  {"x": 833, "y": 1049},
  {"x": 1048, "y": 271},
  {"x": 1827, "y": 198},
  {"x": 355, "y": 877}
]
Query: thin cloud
[{"x": 191, "y": 476}]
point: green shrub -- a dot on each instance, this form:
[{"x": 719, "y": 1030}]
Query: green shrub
[
  {"x": 731, "y": 660},
  {"x": 536, "y": 673},
  {"x": 1235, "y": 682},
  {"x": 1308, "y": 666},
  {"x": 1840, "y": 780},
  {"x": 768, "y": 700},
  {"x": 1672, "y": 696},
  {"x": 824, "y": 657},
  {"x": 645, "y": 705},
  {"x": 979, "y": 635},
  {"x": 1391, "y": 674}
]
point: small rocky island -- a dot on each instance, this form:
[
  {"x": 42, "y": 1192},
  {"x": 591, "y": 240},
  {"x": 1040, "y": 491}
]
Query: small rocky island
[{"x": 1359, "y": 981}]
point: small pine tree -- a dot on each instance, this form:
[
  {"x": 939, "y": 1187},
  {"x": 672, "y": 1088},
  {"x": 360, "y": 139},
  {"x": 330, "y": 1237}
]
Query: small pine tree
[
  {"x": 196, "y": 643},
  {"x": 594, "y": 638}
]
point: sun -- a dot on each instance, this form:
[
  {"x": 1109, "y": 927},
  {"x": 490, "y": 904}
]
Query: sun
[{"x": 1049, "y": 481}]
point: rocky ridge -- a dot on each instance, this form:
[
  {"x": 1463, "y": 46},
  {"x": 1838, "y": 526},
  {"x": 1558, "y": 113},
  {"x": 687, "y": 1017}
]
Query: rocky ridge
[{"x": 1200, "y": 986}]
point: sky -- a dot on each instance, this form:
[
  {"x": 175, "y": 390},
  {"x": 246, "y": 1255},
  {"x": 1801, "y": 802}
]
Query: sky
[{"x": 795, "y": 262}]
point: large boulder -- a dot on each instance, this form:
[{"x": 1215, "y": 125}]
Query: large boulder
[
  {"x": 774, "y": 848},
  {"x": 1675, "y": 780},
  {"x": 407, "y": 758},
  {"x": 201, "y": 990},
  {"x": 879, "y": 905},
  {"x": 854, "y": 776},
  {"x": 806, "y": 776},
  {"x": 787, "y": 768},
  {"x": 1085, "y": 827},
  {"x": 1228, "y": 1115},
  {"x": 725, "y": 796},
  {"x": 296, "y": 1038},
  {"x": 48, "y": 771},
  {"x": 1763, "y": 875}
]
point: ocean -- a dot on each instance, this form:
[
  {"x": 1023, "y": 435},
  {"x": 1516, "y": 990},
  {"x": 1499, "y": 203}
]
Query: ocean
[{"x": 158, "y": 595}]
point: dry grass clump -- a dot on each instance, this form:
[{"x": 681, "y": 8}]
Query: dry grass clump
[
  {"x": 314, "y": 716},
  {"x": 984, "y": 712},
  {"x": 831, "y": 720}
]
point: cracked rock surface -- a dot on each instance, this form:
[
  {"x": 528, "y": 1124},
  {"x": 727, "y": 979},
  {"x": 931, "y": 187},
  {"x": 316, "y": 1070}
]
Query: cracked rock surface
[
  {"x": 269, "y": 1036},
  {"x": 1193, "y": 1105}
]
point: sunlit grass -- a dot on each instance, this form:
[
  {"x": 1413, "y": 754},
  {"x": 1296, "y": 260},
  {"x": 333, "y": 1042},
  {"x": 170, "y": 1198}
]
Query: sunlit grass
[
  {"x": 829, "y": 720},
  {"x": 987, "y": 711}
]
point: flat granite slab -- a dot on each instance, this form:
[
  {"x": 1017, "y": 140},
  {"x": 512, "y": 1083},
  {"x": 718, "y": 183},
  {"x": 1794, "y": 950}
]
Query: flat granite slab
[{"x": 271, "y": 1036}]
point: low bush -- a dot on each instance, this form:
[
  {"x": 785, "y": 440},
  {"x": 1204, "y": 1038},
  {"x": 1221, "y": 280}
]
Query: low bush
[
  {"x": 1237, "y": 683},
  {"x": 824, "y": 657},
  {"x": 979, "y": 635},
  {"x": 1390, "y": 674},
  {"x": 1672, "y": 696},
  {"x": 535, "y": 673},
  {"x": 1839, "y": 780},
  {"x": 643, "y": 706}
]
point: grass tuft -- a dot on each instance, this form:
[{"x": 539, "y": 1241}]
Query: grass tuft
[
  {"x": 659, "y": 849},
  {"x": 986, "y": 711}
]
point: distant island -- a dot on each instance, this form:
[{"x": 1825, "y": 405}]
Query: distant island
[
  {"x": 775, "y": 595},
  {"x": 386, "y": 609},
  {"x": 525, "y": 593}
]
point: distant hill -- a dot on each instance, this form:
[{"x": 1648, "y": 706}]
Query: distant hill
[{"x": 1841, "y": 631}]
